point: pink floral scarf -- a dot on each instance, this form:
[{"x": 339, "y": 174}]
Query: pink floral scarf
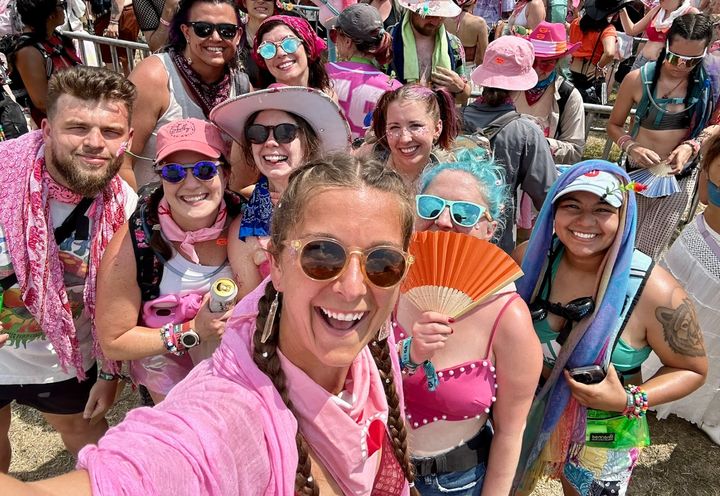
[
  {"x": 187, "y": 239},
  {"x": 25, "y": 217}
]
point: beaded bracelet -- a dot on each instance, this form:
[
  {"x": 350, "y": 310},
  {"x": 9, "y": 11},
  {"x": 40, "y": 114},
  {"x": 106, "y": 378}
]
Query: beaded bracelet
[
  {"x": 169, "y": 339},
  {"x": 639, "y": 405}
]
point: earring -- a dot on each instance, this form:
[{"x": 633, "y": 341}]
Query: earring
[
  {"x": 384, "y": 332},
  {"x": 270, "y": 320}
]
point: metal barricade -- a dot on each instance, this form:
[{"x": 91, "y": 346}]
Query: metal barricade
[{"x": 134, "y": 51}]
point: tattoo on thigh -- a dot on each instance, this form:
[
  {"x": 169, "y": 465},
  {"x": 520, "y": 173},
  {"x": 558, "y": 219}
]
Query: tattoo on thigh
[{"x": 681, "y": 329}]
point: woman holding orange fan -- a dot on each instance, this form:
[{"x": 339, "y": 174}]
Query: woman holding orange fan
[{"x": 455, "y": 372}]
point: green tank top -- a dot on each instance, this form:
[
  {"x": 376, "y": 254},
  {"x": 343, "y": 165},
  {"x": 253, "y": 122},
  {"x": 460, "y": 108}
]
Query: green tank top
[{"x": 624, "y": 356}]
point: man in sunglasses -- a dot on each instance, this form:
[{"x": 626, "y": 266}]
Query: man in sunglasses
[
  {"x": 61, "y": 204},
  {"x": 423, "y": 51}
]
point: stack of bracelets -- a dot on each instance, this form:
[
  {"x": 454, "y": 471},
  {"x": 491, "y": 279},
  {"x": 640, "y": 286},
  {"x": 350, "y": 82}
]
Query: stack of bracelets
[
  {"x": 409, "y": 367},
  {"x": 170, "y": 334},
  {"x": 637, "y": 402}
]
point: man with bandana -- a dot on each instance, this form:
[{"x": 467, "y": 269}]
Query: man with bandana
[{"x": 61, "y": 204}]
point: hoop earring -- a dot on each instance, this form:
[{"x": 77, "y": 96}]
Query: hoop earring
[{"x": 270, "y": 320}]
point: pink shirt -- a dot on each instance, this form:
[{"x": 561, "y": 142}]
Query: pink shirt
[{"x": 359, "y": 86}]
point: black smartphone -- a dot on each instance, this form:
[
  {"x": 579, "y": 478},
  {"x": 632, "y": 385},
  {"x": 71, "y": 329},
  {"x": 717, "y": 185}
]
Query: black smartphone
[{"x": 592, "y": 374}]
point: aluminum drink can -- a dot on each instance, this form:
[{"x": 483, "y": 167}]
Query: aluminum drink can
[{"x": 222, "y": 295}]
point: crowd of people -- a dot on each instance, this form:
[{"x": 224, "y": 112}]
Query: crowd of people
[{"x": 232, "y": 223}]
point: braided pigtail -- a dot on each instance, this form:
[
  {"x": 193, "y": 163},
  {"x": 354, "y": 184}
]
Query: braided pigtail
[
  {"x": 266, "y": 358},
  {"x": 381, "y": 353}
]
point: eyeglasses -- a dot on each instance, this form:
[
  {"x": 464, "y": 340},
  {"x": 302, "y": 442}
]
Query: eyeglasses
[
  {"x": 682, "y": 60},
  {"x": 412, "y": 130},
  {"x": 283, "y": 133},
  {"x": 268, "y": 49},
  {"x": 203, "y": 29},
  {"x": 325, "y": 259},
  {"x": 462, "y": 213},
  {"x": 176, "y": 173}
]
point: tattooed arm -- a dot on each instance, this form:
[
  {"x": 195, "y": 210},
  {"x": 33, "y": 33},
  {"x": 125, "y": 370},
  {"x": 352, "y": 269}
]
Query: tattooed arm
[{"x": 672, "y": 331}]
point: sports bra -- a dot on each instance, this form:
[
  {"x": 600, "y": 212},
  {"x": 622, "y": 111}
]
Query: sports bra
[
  {"x": 653, "y": 34},
  {"x": 660, "y": 119},
  {"x": 465, "y": 390}
]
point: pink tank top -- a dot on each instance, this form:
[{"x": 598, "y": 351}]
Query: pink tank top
[{"x": 464, "y": 391}]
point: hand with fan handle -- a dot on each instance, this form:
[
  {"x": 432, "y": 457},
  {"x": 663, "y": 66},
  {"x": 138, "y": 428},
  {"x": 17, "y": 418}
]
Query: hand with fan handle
[{"x": 429, "y": 332}]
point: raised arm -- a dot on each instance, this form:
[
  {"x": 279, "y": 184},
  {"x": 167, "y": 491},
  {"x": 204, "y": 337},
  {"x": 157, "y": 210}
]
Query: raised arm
[
  {"x": 637, "y": 28},
  {"x": 535, "y": 13}
]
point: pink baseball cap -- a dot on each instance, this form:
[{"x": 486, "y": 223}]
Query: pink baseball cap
[
  {"x": 507, "y": 65},
  {"x": 190, "y": 135}
]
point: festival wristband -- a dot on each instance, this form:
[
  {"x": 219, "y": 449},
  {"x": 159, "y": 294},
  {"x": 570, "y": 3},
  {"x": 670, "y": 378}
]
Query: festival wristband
[
  {"x": 164, "y": 22},
  {"x": 406, "y": 363},
  {"x": 694, "y": 144},
  {"x": 107, "y": 376}
]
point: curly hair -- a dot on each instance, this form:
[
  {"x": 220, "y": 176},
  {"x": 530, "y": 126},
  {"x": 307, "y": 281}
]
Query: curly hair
[{"x": 334, "y": 171}]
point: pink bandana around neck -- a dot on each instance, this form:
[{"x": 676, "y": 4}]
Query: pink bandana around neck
[
  {"x": 346, "y": 430},
  {"x": 25, "y": 218},
  {"x": 187, "y": 239}
]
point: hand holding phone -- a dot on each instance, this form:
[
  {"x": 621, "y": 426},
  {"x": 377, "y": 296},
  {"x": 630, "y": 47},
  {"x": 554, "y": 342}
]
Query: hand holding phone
[{"x": 592, "y": 374}]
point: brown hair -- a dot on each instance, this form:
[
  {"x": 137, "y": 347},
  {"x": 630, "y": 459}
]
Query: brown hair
[
  {"x": 334, "y": 171},
  {"x": 90, "y": 84},
  {"x": 711, "y": 153},
  {"x": 439, "y": 105},
  {"x": 308, "y": 138}
]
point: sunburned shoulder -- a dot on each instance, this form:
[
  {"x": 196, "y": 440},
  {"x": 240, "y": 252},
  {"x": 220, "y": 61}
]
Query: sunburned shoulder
[{"x": 149, "y": 70}]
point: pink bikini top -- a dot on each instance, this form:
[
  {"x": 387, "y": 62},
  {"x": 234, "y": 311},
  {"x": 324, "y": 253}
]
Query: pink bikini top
[{"x": 464, "y": 391}]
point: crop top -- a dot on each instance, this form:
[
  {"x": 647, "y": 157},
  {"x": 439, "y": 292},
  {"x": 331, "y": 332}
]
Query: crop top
[
  {"x": 658, "y": 118},
  {"x": 465, "y": 390},
  {"x": 653, "y": 34}
]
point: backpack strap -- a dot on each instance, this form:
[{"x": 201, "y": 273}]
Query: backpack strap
[
  {"x": 147, "y": 264},
  {"x": 565, "y": 90},
  {"x": 640, "y": 270},
  {"x": 497, "y": 125}
]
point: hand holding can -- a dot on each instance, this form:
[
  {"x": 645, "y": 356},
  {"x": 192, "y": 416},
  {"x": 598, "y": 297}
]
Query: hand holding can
[{"x": 222, "y": 295}]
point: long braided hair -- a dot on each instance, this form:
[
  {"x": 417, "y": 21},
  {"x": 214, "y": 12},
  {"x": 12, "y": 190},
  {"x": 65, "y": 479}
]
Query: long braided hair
[{"x": 332, "y": 172}]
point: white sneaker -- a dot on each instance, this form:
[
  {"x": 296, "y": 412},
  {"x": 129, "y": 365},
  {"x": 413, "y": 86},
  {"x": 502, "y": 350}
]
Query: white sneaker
[{"x": 713, "y": 432}]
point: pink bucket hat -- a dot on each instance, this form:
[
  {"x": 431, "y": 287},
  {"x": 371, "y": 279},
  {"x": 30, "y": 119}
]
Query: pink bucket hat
[
  {"x": 550, "y": 41},
  {"x": 507, "y": 65},
  {"x": 190, "y": 135}
]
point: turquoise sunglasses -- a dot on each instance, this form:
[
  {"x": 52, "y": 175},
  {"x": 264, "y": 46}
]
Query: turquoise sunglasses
[
  {"x": 462, "y": 213},
  {"x": 269, "y": 49}
]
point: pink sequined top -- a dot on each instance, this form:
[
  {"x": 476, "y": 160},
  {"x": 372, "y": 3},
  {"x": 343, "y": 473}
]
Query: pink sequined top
[{"x": 465, "y": 390}]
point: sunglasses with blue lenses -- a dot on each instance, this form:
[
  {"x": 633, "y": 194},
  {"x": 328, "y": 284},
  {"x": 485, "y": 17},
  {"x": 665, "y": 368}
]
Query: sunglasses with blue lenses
[
  {"x": 462, "y": 213},
  {"x": 204, "y": 170},
  {"x": 269, "y": 49},
  {"x": 202, "y": 29}
]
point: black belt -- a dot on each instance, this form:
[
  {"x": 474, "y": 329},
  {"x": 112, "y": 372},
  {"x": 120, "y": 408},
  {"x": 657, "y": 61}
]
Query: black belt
[{"x": 464, "y": 457}]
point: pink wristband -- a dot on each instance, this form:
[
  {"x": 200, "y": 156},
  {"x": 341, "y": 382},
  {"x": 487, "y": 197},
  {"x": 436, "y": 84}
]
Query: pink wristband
[{"x": 164, "y": 22}]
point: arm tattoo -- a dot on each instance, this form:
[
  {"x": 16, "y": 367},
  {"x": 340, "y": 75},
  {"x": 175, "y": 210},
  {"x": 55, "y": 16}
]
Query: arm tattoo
[{"x": 681, "y": 329}]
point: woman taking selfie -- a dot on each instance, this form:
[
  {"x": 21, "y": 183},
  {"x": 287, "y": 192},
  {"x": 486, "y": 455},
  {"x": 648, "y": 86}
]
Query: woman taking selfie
[
  {"x": 599, "y": 307},
  {"x": 474, "y": 357},
  {"x": 300, "y": 398},
  {"x": 673, "y": 97}
]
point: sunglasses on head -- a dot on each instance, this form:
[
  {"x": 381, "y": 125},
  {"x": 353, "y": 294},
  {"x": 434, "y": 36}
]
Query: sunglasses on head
[
  {"x": 462, "y": 213},
  {"x": 204, "y": 170},
  {"x": 682, "y": 60},
  {"x": 325, "y": 259},
  {"x": 268, "y": 49},
  {"x": 258, "y": 134},
  {"x": 203, "y": 29}
]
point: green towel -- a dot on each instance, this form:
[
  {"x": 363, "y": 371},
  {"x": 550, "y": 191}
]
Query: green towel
[{"x": 440, "y": 58}]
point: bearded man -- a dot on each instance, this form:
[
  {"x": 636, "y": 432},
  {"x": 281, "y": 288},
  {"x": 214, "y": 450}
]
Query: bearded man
[{"x": 62, "y": 201}]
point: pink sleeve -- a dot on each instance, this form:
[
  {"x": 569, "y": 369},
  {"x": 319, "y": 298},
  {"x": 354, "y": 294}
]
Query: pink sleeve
[{"x": 205, "y": 438}]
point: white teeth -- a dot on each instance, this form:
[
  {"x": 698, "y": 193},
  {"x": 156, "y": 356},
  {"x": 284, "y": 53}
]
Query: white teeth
[
  {"x": 285, "y": 65},
  {"x": 193, "y": 198},
  {"x": 409, "y": 150},
  {"x": 275, "y": 158},
  {"x": 215, "y": 49},
  {"x": 584, "y": 235},
  {"x": 343, "y": 316}
]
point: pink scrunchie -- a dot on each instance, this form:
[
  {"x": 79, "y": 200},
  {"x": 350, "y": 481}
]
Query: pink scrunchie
[{"x": 314, "y": 45}]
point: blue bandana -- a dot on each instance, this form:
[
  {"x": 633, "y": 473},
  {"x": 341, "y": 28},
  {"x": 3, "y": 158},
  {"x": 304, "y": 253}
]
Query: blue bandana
[
  {"x": 258, "y": 213},
  {"x": 713, "y": 193}
]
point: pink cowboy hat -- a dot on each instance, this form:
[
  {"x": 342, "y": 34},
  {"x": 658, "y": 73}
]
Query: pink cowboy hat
[{"x": 550, "y": 41}]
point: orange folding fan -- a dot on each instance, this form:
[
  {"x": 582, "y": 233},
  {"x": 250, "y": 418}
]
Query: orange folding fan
[{"x": 453, "y": 272}]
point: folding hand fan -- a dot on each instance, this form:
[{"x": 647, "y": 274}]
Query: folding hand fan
[
  {"x": 453, "y": 273},
  {"x": 658, "y": 180}
]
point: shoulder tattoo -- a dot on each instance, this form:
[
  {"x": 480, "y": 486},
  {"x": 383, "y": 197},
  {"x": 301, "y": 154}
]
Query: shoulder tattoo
[{"x": 681, "y": 330}]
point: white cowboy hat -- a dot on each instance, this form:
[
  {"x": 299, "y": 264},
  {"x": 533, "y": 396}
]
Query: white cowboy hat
[{"x": 434, "y": 8}]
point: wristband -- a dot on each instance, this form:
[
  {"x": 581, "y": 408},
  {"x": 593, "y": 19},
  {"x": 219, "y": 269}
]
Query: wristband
[
  {"x": 107, "y": 376},
  {"x": 115, "y": 22},
  {"x": 406, "y": 363},
  {"x": 623, "y": 140},
  {"x": 164, "y": 22},
  {"x": 694, "y": 144},
  {"x": 638, "y": 407}
]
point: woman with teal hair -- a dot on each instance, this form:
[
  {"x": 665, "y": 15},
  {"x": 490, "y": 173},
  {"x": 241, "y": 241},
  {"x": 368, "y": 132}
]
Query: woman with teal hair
[
  {"x": 599, "y": 307},
  {"x": 474, "y": 356}
]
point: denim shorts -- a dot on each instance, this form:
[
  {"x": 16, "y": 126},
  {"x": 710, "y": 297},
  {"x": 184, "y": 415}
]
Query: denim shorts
[{"x": 467, "y": 483}]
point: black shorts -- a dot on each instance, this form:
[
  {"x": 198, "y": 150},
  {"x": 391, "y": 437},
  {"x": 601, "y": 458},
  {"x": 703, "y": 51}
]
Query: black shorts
[{"x": 59, "y": 398}]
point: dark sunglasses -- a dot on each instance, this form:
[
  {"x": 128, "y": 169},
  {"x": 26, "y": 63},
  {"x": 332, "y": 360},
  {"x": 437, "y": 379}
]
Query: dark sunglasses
[
  {"x": 258, "y": 134},
  {"x": 269, "y": 49},
  {"x": 204, "y": 170},
  {"x": 682, "y": 60},
  {"x": 203, "y": 29},
  {"x": 325, "y": 259},
  {"x": 462, "y": 213}
]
